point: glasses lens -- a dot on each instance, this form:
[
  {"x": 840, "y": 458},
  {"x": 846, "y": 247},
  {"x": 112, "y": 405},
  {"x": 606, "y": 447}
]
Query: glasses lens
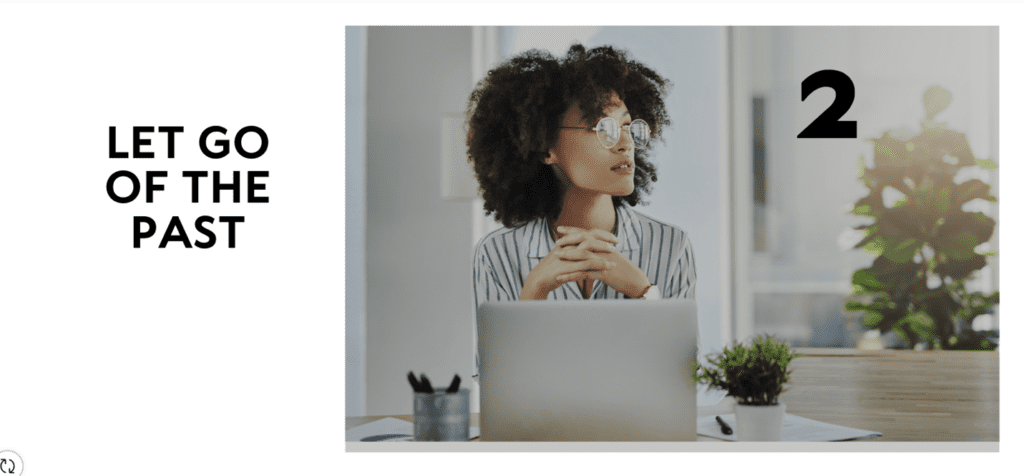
[
  {"x": 608, "y": 132},
  {"x": 641, "y": 133}
]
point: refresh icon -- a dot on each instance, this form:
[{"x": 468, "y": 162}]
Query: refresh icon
[{"x": 10, "y": 463}]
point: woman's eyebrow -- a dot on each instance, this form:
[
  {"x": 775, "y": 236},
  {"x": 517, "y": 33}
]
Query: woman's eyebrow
[{"x": 620, "y": 117}]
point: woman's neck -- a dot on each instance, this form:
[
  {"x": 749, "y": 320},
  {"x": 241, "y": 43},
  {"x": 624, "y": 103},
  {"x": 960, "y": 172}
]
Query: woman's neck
[{"x": 587, "y": 211}]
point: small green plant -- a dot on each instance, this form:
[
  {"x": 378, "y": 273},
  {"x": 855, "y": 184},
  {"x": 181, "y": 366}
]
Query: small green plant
[{"x": 752, "y": 375}]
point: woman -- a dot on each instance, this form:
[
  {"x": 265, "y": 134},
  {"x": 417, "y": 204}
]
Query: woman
[{"x": 560, "y": 148}]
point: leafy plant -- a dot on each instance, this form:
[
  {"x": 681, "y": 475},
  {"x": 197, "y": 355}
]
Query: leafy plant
[
  {"x": 752, "y": 375},
  {"x": 925, "y": 242}
]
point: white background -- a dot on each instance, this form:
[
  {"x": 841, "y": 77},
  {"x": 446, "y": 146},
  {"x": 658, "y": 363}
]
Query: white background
[
  {"x": 116, "y": 360},
  {"x": 171, "y": 361}
]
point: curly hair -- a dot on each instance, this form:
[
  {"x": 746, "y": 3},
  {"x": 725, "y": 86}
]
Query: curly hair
[{"x": 515, "y": 113}]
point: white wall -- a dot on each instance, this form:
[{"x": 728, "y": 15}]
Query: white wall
[
  {"x": 418, "y": 247},
  {"x": 355, "y": 220}
]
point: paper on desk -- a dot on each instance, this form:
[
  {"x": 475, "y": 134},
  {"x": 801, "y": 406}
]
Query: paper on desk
[
  {"x": 391, "y": 426},
  {"x": 794, "y": 428}
]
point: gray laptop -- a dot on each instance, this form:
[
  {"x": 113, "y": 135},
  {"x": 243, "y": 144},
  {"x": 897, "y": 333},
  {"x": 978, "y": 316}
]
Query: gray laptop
[{"x": 605, "y": 370}]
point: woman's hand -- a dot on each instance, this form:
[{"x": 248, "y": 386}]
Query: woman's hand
[
  {"x": 553, "y": 271},
  {"x": 581, "y": 245}
]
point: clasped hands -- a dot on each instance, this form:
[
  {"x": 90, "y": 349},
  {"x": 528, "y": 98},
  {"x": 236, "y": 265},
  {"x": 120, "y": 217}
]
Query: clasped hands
[{"x": 584, "y": 254}]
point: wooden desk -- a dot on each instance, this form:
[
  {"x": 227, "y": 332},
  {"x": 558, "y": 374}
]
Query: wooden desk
[{"x": 906, "y": 395}]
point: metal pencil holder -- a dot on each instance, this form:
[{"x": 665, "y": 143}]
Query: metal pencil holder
[{"x": 441, "y": 416}]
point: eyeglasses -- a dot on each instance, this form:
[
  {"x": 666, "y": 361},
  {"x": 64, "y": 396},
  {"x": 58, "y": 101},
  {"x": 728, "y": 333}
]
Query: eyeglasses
[{"x": 608, "y": 132}]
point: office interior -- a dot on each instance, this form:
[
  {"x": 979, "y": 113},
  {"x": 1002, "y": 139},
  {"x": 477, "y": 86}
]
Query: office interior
[{"x": 768, "y": 215}]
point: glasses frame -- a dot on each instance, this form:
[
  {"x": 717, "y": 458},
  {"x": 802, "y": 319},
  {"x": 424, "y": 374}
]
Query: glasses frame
[{"x": 623, "y": 127}]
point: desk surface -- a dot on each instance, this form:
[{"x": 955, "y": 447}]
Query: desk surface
[{"x": 906, "y": 395}]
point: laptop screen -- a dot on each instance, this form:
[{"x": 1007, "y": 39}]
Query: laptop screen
[{"x": 609, "y": 370}]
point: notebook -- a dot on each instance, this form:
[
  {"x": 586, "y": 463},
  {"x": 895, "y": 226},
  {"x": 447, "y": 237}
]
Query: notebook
[{"x": 605, "y": 370}]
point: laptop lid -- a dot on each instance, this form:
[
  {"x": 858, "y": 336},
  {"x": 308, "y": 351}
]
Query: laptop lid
[{"x": 606, "y": 370}]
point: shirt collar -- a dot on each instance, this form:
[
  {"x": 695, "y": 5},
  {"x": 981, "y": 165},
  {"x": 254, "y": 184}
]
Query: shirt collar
[{"x": 628, "y": 231}]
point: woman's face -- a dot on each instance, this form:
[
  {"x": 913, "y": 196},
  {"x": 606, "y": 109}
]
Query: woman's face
[{"x": 581, "y": 162}]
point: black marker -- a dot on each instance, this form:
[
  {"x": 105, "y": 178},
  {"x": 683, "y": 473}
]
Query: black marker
[
  {"x": 413, "y": 382},
  {"x": 454, "y": 387},
  {"x": 425, "y": 384},
  {"x": 725, "y": 426}
]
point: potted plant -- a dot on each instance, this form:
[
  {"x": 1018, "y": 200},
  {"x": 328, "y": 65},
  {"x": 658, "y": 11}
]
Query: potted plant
[
  {"x": 754, "y": 377},
  {"x": 926, "y": 240}
]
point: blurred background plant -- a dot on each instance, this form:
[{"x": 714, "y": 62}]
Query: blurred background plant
[{"x": 925, "y": 243}]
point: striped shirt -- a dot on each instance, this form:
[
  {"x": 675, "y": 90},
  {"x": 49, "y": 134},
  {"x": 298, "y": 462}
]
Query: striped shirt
[{"x": 663, "y": 252}]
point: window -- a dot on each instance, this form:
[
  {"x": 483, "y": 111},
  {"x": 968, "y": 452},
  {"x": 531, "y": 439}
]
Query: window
[{"x": 794, "y": 232}]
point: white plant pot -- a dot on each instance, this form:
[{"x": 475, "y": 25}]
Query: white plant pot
[{"x": 759, "y": 422}]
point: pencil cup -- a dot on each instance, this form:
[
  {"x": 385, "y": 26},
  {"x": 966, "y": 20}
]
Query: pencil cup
[{"x": 441, "y": 416}]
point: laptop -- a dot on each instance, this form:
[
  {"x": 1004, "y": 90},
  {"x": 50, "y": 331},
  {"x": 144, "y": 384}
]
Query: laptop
[{"x": 605, "y": 370}]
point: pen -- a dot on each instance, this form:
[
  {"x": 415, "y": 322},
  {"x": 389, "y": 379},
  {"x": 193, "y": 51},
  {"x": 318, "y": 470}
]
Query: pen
[
  {"x": 454, "y": 387},
  {"x": 389, "y": 436},
  {"x": 425, "y": 384},
  {"x": 725, "y": 426}
]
